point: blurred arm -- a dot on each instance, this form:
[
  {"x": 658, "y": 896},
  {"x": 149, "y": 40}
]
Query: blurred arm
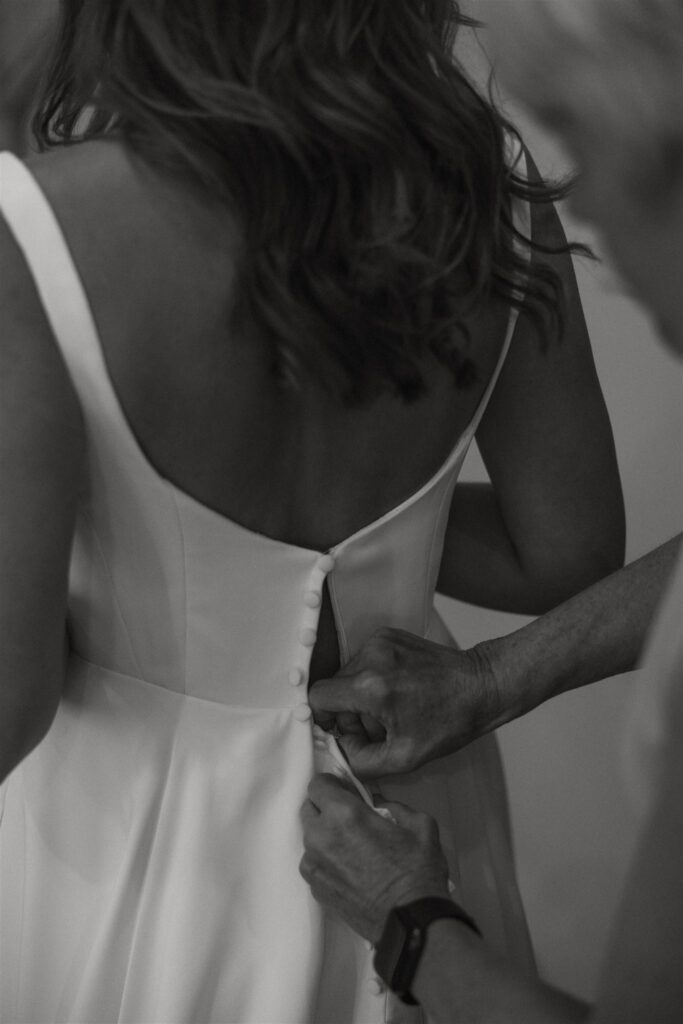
[{"x": 41, "y": 448}]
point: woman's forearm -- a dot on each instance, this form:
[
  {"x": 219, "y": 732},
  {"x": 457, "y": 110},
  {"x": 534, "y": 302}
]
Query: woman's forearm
[
  {"x": 459, "y": 979},
  {"x": 598, "y": 633},
  {"x": 481, "y": 564}
]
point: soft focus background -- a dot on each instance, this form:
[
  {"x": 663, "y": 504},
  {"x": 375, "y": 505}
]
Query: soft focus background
[
  {"x": 25, "y": 33},
  {"x": 573, "y": 830}
]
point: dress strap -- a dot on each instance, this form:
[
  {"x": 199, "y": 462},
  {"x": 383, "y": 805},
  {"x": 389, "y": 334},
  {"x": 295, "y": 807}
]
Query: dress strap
[
  {"x": 39, "y": 236},
  {"x": 521, "y": 215}
]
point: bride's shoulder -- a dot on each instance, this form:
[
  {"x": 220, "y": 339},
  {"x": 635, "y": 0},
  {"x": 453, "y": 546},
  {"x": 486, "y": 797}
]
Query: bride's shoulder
[
  {"x": 106, "y": 173},
  {"x": 128, "y": 224},
  {"x": 93, "y": 190},
  {"x": 104, "y": 183},
  {"x": 82, "y": 170}
]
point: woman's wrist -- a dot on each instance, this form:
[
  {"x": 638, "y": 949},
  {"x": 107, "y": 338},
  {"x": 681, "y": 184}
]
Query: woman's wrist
[
  {"x": 449, "y": 942},
  {"x": 509, "y": 678},
  {"x": 479, "y": 692},
  {"x": 459, "y": 977}
]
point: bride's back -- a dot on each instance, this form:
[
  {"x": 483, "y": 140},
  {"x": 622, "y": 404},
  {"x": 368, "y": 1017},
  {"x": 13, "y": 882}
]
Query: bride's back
[
  {"x": 301, "y": 466},
  {"x": 302, "y": 194}
]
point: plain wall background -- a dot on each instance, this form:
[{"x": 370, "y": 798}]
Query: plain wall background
[{"x": 573, "y": 827}]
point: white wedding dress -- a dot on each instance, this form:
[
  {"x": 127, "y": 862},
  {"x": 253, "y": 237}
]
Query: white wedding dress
[{"x": 149, "y": 847}]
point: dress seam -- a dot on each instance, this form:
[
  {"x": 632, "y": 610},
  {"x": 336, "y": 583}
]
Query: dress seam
[
  {"x": 273, "y": 708},
  {"x": 429, "y": 590},
  {"x": 88, "y": 518},
  {"x": 151, "y": 852},
  {"x": 504, "y": 892},
  {"x": 184, "y": 564},
  {"x": 23, "y": 905}
]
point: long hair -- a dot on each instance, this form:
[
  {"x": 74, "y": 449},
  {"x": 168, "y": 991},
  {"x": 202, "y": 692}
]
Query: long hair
[
  {"x": 609, "y": 69},
  {"x": 365, "y": 173}
]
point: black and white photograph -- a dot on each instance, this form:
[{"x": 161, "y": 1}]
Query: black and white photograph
[{"x": 341, "y": 506}]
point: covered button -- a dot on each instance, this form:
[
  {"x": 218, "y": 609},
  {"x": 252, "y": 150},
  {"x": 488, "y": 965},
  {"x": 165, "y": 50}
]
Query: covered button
[
  {"x": 308, "y": 636},
  {"x": 302, "y": 712},
  {"x": 296, "y": 676}
]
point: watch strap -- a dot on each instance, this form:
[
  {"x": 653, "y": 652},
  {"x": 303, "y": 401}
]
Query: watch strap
[
  {"x": 431, "y": 908},
  {"x": 397, "y": 970}
]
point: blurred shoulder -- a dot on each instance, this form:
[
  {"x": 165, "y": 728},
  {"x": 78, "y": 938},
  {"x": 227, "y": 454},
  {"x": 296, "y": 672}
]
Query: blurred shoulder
[
  {"x": 103, "y": 183},
  {"x": 97, "y": 198},
  {"x": 140, "y": 239},
  {"x": 82, "y": 173},
  {"x": 40, "y": 418}
]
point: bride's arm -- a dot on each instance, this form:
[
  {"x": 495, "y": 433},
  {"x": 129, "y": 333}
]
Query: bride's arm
[
  {"x": 41, "y": 445},
  {"x": 552, "y": 520}
]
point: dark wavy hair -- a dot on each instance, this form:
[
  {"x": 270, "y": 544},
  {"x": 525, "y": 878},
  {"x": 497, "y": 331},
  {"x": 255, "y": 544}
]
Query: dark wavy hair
[{"x": 365, "y": 173}]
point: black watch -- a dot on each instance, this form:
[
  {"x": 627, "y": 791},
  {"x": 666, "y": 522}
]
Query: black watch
[{"x": 398, "y": 951}]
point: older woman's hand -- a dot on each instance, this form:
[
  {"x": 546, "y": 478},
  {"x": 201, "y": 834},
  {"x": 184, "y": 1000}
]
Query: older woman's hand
[
  {"x": 402, "y": 701},
  {"x": 362, "y": 865}
]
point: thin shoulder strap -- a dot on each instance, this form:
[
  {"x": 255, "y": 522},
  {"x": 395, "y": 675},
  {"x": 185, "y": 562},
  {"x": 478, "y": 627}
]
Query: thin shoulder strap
[
  {"x": 36, "y": 231},
  {"x": 521, "y": 214}
]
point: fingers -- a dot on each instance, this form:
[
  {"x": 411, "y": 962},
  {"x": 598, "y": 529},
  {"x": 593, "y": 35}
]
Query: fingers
[
  {"x": 309, "y": 813},
  {"x": 406, "y": 817},
  {"x": 307, "y": 868},
  {"x": 389, "y": 756},
  {"x": 363, "y": 691},
  {"x": 326, "y": 791},
  {"x": 334, "y": 695},
  {"x": 364, "y": 728},
  {"x": 327, "y": 720},
  {"x": 374, "y": 729},
  {"x": 367, "y": 760},
  {"x": 349, "y": 724}
]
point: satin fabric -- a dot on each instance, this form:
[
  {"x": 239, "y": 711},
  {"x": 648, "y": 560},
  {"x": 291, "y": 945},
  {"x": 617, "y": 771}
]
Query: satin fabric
[
  {"x": 149, "y": 847},
  {"x": 653, "y": 721}
]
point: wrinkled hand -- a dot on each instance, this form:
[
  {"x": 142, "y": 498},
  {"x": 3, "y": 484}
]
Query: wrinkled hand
[
  {"x": 361, "y": 865},
  {"x": 402, "y": 701}
]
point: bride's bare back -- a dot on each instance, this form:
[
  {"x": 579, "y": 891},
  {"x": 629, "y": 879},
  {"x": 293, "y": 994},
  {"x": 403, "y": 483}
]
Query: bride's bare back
[
  {"x": 158, "y": 269},
  {"x": 157, "y": 266}
]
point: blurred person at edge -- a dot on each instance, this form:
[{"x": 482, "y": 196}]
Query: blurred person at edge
[
  {"x": 607, "y": 77},
  {"x": 25, "y": 30},
  {"x": 253, "y": 309}
]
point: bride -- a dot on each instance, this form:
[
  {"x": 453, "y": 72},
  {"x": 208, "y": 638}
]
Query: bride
[{"x": 276, "y": 266}]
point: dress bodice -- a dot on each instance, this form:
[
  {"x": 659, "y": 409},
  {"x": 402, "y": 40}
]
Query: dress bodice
[
  {"x": 167, "y": 590},
  {"x": 150, "y": 844}
]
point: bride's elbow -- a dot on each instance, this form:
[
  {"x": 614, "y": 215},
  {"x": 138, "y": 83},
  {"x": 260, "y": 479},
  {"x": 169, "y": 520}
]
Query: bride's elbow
[
  {"x": 575, "y": 568},
  {"x": 25, "y": 723},
  {"x": 602, "y": 549}
]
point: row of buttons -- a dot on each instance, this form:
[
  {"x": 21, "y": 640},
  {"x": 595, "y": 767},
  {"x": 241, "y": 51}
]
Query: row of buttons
[
  {"x": 298, "y": 676},
  {"x": 308, "y": 634}
]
